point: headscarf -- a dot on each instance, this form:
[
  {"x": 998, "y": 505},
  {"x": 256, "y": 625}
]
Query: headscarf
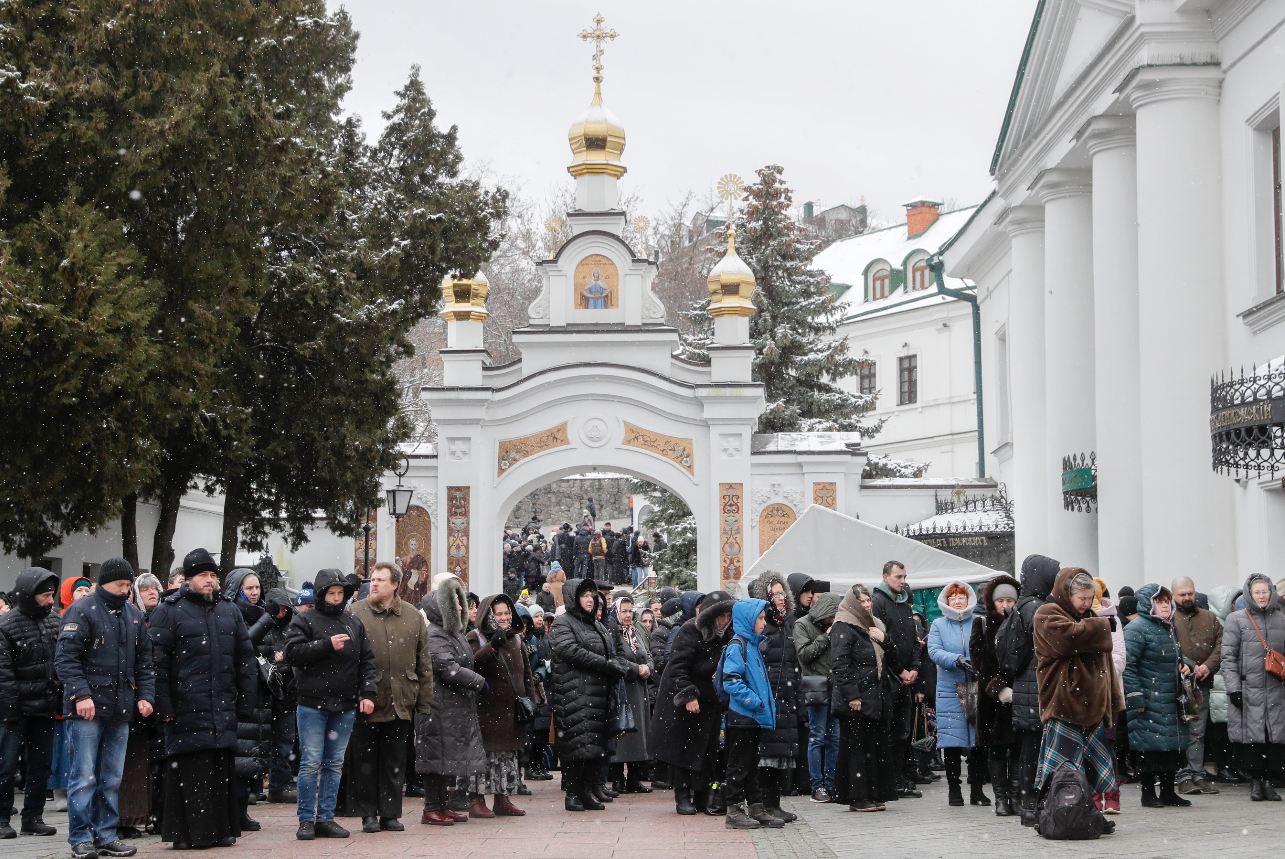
[
  {"x": 628, "y": 634},
  {"x": 853, "y": 613}
]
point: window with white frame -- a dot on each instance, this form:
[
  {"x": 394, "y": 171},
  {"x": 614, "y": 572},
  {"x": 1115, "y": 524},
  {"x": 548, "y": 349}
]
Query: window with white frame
[{"x": 907, "y": 380}]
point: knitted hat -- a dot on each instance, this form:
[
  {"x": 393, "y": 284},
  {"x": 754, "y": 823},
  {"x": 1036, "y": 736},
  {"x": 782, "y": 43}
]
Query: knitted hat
[
  {"x": 199, "y": 561},
  {"x": 304, "y": 597},
  {"x": 115, "y": 570}
]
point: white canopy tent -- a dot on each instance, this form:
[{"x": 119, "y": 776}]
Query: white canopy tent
[{"x": 828, "y": 545}]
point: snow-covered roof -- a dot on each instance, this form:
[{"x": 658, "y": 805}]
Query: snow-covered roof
[
  {"x": 828, "y": 545},
  {"x": 972, "y": 520},
  {"x": 846, "y": 262},
  {"x": 804, "y": 441}
]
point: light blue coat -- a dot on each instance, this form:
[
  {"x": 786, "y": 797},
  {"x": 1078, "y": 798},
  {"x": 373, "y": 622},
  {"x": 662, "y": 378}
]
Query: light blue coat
[
  {"x": 744, "y": 675},
  {"x": 947, "y": 641}
]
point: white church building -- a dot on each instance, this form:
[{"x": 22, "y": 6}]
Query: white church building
[
  {"x": 917, "y": 341},
  {"x": 1132, "y": 252}
]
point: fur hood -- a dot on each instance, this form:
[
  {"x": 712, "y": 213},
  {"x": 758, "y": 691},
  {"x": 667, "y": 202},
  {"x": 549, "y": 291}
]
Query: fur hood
[
  {"x": 988, "y": 596},
  {"x": 705, "y": 620},
  {"x": 449, "y": 593},
  {"x": 760, "y": 587}
]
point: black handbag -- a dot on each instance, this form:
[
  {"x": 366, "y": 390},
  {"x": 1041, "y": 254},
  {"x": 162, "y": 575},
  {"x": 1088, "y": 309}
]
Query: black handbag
[
  {"x": 524, "y": 709},
  {"x": 815, "y": 690},
  {"x": 620, "y": 716}
]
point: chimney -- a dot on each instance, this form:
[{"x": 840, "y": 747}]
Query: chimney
[
  {"x": 921, "y": 212},
  {"x": 808, "y": 210}
]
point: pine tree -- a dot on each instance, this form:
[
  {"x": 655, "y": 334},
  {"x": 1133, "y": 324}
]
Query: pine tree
[
  {"x": 315, "y": 365},
  {"x": 676, "y": 566}
]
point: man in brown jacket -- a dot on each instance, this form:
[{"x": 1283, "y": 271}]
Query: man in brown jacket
[
  {"x": 1200, "y": 636},
  {"x": 1079, "y": 694},
  {"x": 377, "y": 752}
]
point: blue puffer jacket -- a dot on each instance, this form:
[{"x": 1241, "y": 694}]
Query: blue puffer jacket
[
  {"x": 103, "y": 652},
  {"x": 744, "y": 674},
  {"x": 947, "y": 641},
  {"x": 1151, "y": 680}
]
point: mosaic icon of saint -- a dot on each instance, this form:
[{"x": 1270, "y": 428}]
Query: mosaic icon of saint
[{"x": 595, "y": 294}]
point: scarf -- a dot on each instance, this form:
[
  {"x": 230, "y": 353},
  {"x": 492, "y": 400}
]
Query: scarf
[
  {"x": 778, "y": 614},
  {"x": 627, "y": 632},
  {"x": 853, "y": 613}
]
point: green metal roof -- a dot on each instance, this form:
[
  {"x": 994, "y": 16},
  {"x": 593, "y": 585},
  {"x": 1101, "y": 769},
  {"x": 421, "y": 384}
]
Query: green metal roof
[{"x": 1017, "y": 85}]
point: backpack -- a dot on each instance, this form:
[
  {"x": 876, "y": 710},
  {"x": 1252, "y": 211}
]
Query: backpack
[
  {"x": 1068, "y": 813},
  {"x": 724, "y": 699},
  {"x": 1013, "y": 645}
]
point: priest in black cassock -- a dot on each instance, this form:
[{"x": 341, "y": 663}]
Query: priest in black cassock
[{"x": 206, "y": 675}]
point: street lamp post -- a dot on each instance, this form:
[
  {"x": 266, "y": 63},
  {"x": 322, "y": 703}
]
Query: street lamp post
[
  {"x": 399, "y": 497},
  {"x": 365, "y": 564}
]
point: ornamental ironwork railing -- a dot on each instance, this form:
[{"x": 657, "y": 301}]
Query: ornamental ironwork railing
[
  {"x": 1247, "y": 421},
  {"x": 1080, "y": 482},
  {"x": 985, "y": 539}
]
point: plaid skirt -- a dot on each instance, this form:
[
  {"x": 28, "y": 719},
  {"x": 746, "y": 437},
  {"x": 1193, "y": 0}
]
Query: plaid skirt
[{"x": 1085, "y": 749}]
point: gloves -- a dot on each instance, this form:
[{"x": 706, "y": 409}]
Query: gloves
[
  {"x": 1237, "y": 699},
  {"x": 498, "y": 638},
  {"x": 965, "y": 665},
  {"x": 1006, "y": 695}
]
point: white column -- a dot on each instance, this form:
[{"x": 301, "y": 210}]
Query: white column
[
  {"x": 1029, "y": 486},
  {"x": 1068, "y": 354},
  {"x": 1187, "y": 515},
  {"x": 1110, "y": 141}
]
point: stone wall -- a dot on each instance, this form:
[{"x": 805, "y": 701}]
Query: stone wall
[{"x": 563, "y": 500}]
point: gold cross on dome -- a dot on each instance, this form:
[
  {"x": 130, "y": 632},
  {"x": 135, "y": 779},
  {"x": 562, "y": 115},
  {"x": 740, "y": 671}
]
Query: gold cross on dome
[{"x": 597, "y": 35}]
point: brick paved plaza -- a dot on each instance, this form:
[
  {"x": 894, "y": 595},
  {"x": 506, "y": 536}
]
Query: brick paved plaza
[{"x": 1226, "y": 826}]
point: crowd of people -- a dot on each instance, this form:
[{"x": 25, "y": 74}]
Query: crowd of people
[
  {"x": 533, "y": 563},
  {"x": 177, "y": 707}
]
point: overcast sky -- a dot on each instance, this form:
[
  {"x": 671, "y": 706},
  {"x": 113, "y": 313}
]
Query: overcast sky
[{"x": 889, "y": 100}]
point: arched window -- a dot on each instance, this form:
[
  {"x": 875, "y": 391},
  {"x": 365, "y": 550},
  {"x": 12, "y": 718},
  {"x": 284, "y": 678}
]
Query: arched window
[
  {"x": 880, "y": 280},
  {"x": 919, "y": 276}
]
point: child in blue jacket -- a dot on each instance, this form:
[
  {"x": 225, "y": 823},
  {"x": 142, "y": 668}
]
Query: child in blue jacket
[{"x": 751, "y": 708}]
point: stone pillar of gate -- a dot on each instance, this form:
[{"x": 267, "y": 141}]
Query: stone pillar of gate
[
  {"x": 1111, "y": 144},
  {"x": 1069, "y": 425},
  {"x": 1030, "y": 482},
  {"x": 730, "y": 413},
  {"x": 1187, "y": 515}
]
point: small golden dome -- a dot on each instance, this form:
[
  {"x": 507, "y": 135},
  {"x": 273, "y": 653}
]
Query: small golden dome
[
  {"x": 731, "y": 283},
  {"x": 465, "y": 300},
  {"x": 597, "y": 139}
]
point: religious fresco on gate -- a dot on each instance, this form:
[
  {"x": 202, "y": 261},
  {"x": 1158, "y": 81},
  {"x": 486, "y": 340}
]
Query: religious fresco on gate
[
  {"x": 414, "y": 549},
  {"x": 514, "y": 450},
  {"x": 773, "y": 522},
  {"x": 676, "y": 450},
  {"x": 457, "y": 528},
  {"x": 597, "y": 284},
  {"x": 826, "y": 495},
  {"x": 731, "y": 555},
  {"x": 359, "y": 556}
]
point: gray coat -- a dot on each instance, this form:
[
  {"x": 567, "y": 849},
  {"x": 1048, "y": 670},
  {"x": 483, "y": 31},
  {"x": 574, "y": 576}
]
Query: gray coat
[
  {"x": 810, "y": 642},
  {"x": 1261, "y": 716},
  {"x": 448, "y": 740}
]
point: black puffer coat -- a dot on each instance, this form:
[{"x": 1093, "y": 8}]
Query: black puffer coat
[
  {"x": 206, "y": 676},
  {"x": 584, "y": 671},
  {"x": 329, "y": 679},
  {"x": 994, "y": 717},
  {"x": 253, "y": 735},
  {"x": 1038, "y": 575},
  {"x": 671, "y": 618},
  {"x": 448, "y": 740},
  {"x": 783, "y": 672},
  {"x": 28, "y": 637},
  {"x": 680, "y": 738}
]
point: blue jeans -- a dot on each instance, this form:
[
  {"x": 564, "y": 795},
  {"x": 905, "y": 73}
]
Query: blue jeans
[
  {"x": 823, "y": 746},
  {"x": 637, "y": 574},
  {"x": 283, "y": 733},
  {"x": 96, "y": 749},
  {"x": 33, "y": 737},
  {"x": 323, "y": 740},
  {"x": 583, "y": 568}
]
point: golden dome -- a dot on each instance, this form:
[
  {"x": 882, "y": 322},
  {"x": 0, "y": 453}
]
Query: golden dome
[
  {"x": 465, "y": 300},
  {"x": 731, "y": 284},
  {"x": 597, "y": 139}
]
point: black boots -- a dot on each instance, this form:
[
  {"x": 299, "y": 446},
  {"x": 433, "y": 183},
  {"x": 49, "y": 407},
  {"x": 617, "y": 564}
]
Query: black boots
[
  {"x": 956, "y": 794},
  {"x": 1005, "y": 802},
  {"x": 248, "y": 824},
  {"x": 1260, "y": 790},
  {"x": 976, "y": 796},
  {"x": 683, "y": 800},
  {"x": 1168, "y": 796},
  {"x": 1149, "y": 798}
]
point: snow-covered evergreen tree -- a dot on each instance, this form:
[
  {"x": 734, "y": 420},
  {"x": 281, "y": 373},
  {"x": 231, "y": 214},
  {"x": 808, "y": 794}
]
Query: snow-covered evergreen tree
[
  {"x": 676, "y": 566},
  {"x": 799, "y": 356}
]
